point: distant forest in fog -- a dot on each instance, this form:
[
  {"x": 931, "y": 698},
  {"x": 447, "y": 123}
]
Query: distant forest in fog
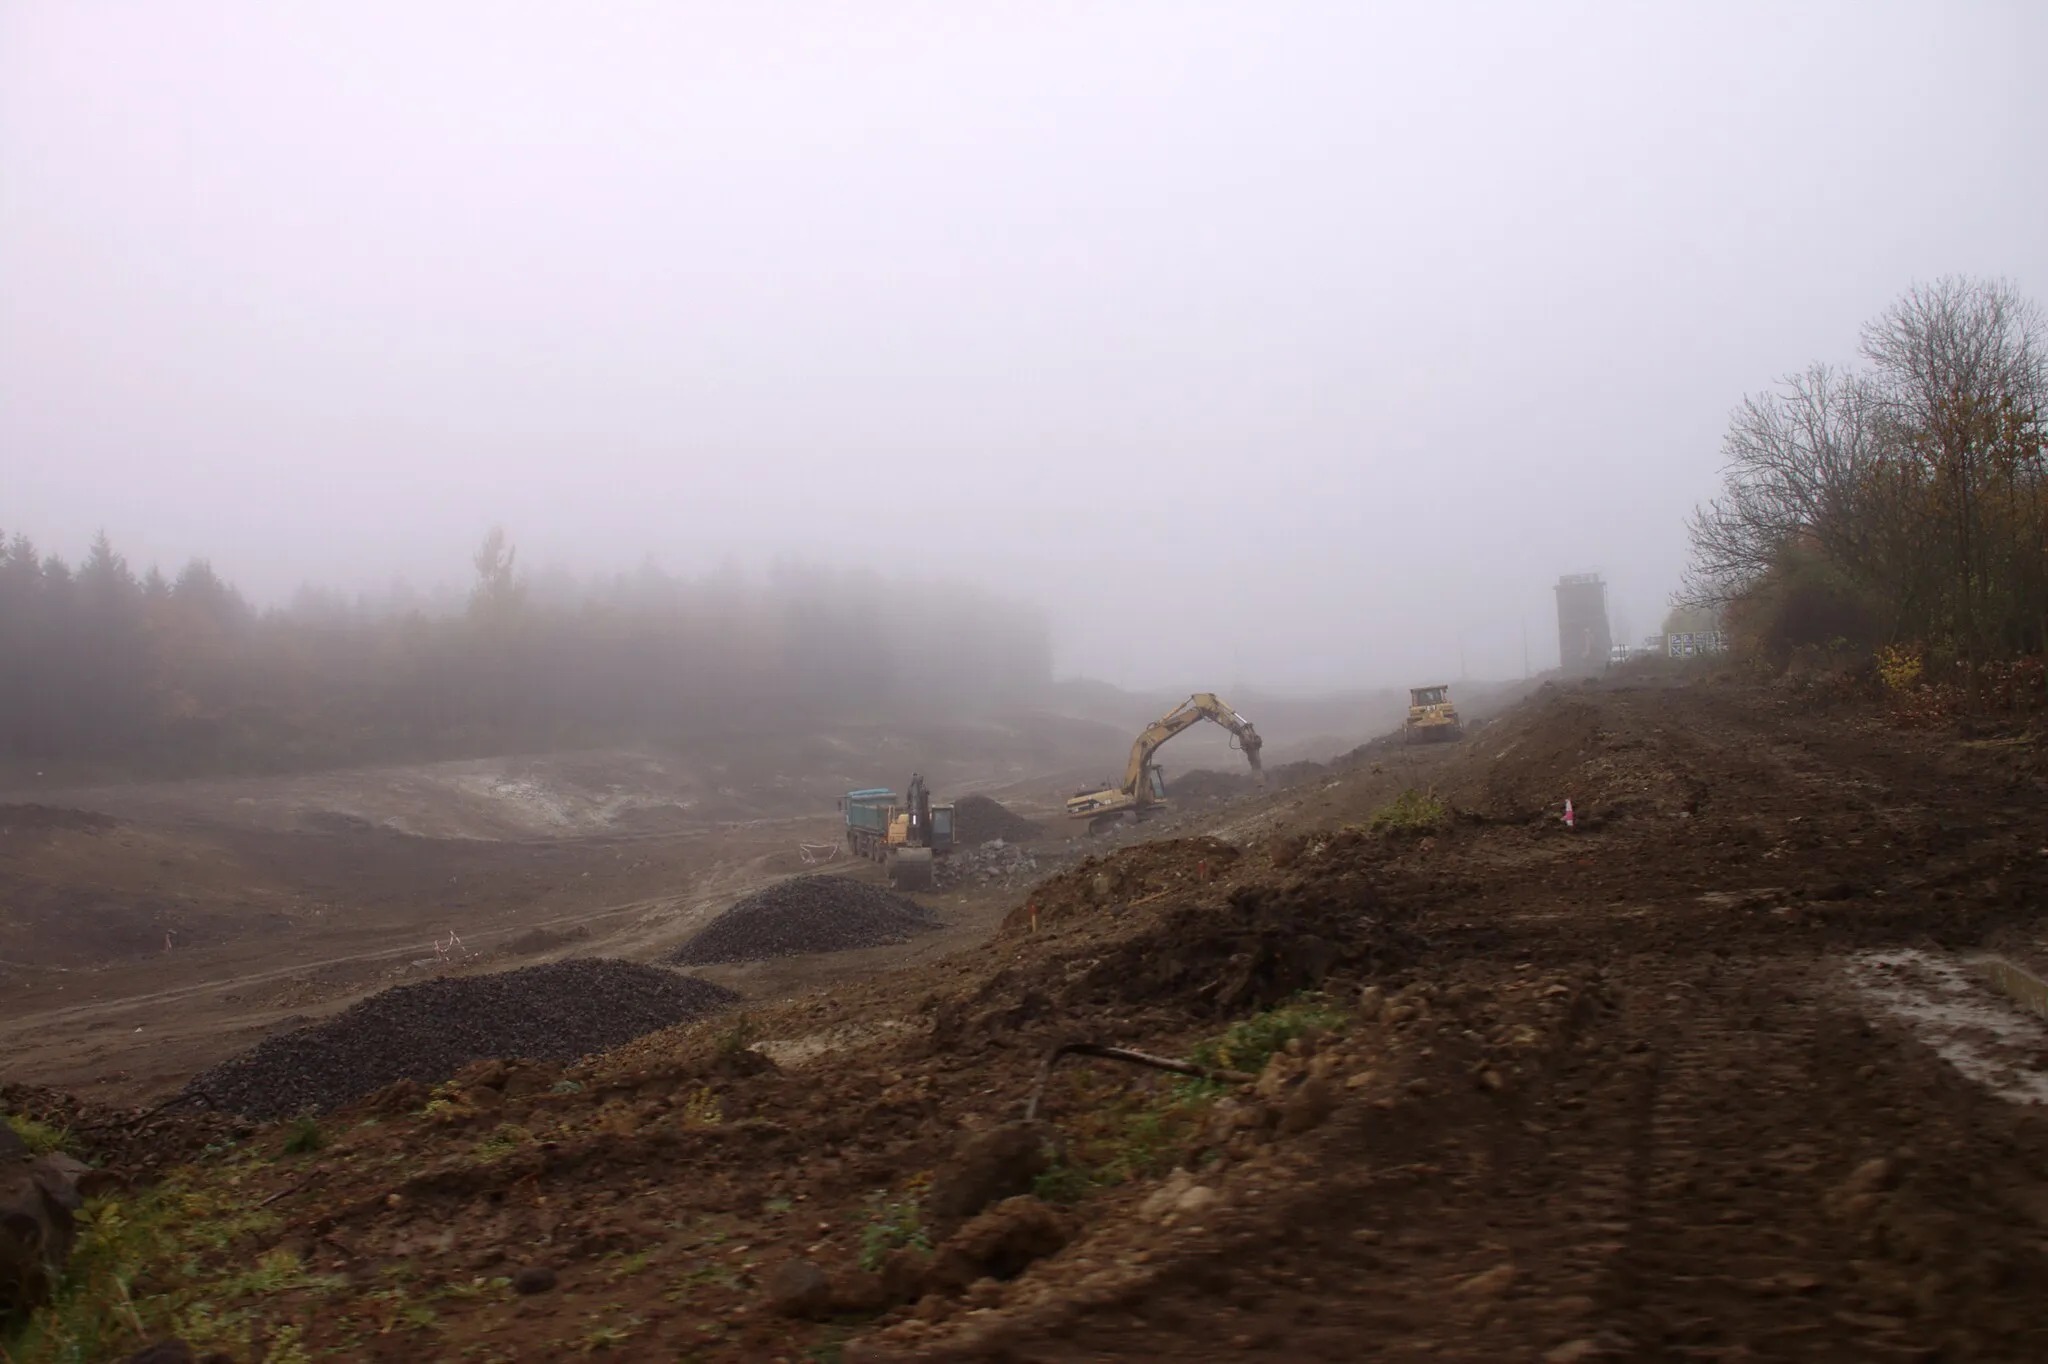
[{"x": 103, "y": 669}]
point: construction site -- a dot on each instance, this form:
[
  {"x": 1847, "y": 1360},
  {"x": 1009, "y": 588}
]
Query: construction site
[
  {"x": 1038, "y": 684},
  {"x": 1661, "y": 1014}
]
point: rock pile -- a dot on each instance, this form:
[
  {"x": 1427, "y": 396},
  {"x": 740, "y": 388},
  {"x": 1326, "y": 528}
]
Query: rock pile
[
  {"x": 821, "y": 913},
  {"x": 997, "y": 864},
  {"x": 560, "y": 1011},
  {"x": 978, "y": 819}
]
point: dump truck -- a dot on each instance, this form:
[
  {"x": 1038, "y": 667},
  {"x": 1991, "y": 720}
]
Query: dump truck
[
  {"x": 1143, "y": 791},
  {"x": 1431, "y": 716},
  {"x": 905, "y": 834}
]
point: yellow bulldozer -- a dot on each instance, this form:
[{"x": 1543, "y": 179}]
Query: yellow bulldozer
[
  {"x": 1431, "y": 716},
  {"x": 1144, "y": 787}
]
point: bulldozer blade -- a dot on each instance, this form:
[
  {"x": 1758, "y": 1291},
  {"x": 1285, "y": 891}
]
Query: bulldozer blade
[{"x": 910, "y": 868}]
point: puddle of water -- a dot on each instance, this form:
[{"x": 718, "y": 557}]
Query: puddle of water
[{"x": 1949, "y": 1006}]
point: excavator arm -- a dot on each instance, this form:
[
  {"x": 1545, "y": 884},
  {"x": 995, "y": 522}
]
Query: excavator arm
[
  {"x": 1201, "y": 706},
  {"x": 1136, "y": 793}
]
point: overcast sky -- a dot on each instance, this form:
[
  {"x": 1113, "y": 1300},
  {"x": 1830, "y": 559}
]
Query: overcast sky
[{"x": 1264, "y": 344}]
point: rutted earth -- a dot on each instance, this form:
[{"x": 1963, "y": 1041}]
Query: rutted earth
[
  {"x": 1711, "y": 1073},
  {"x": 150, "y": 930}
]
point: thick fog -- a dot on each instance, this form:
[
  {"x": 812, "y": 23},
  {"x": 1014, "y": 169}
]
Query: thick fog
[{"x": 1263, "y": 345}]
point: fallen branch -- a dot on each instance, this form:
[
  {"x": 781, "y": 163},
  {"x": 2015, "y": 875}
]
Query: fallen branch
[
  {"x": 294, "y": 1187},
  {"x": 1130, "y": 1057}
]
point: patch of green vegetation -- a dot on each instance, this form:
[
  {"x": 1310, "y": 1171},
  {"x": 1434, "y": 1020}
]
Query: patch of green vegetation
[
  {"x": 1411, "y": 812},
  {"x": 630, "y": 1265},
  {"x": 304, "y": 1136},
  {"x": 610, "y": 1335},
  {"x": 1143, "y": 1131},
  {"x": 475, "y": 1288},
  {"x": 40, "y": 1137},
  {"x": 892, "y": 1226},
  {"x": 1065, "y": 1184},
  {"x": 503, "y": 1141},
  {"x": 738, "y": 1038},
  {"x": 186, "y": 1243},
  {"x": 1250, "y": 1042}
]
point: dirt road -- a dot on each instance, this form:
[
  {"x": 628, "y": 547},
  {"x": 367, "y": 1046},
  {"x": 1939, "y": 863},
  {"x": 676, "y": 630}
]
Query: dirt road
[{"x": 149, "y": 931}]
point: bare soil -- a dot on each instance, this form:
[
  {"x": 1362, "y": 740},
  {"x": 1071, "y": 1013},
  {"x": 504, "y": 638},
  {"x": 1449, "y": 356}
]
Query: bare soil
[{"x": 1680, "y": 1080}]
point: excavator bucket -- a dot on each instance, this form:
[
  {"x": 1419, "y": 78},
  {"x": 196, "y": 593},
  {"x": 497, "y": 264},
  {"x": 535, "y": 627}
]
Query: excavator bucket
[{"x": 910, "y": 868}]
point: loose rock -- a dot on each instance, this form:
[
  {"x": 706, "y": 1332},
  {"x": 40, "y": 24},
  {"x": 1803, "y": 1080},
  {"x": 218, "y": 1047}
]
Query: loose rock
[
  {"x": 798, "y": 1288},
  {"x": 426, "y": 1032},
  {"x": 533, "y": 1279},
  {"x": 822, "y": 913},
  {"x": 990, "y": 1165}
]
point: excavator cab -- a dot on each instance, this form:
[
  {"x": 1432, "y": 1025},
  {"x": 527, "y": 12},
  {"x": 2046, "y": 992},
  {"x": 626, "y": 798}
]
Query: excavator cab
[{"x": 914, "y": 840}]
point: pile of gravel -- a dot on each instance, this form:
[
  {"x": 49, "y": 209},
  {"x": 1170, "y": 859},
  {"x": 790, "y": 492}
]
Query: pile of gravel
[
  {"x": 559, "y": 1011},
  {"x": 978, "y": 819},
  {"x": 1000, "y": 865},
  {"x": 822, "y": 913}
]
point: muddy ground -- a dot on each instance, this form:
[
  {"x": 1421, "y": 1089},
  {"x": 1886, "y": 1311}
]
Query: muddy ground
[
  {"x": 149, "y": 930},
  {"x": 1712, "y": 1073}
]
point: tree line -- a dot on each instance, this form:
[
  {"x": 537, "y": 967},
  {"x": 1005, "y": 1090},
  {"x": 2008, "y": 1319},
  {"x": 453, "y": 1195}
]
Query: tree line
[
  {"x": 103, "y": 668},
  {"x": 1899, "y": 503}
]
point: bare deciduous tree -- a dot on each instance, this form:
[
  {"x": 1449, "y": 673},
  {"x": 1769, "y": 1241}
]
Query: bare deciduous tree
[{"x": 1917, "y": 484}]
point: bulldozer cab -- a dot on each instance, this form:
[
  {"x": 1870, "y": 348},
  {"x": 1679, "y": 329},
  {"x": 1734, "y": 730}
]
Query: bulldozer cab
[{"x": 1431, "y": 716}]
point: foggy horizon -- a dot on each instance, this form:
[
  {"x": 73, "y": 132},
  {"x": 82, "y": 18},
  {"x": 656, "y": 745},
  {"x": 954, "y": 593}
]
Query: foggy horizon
[{"x": 1290, "y": 350}]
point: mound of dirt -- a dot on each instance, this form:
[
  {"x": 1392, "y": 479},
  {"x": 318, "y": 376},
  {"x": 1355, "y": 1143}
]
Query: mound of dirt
[
  {"x": 1556, "y": 746},
  {"x": 1225, "y": 932},
  {"x": 14, "y": 818},
  {"x": 1205, "y": 784},
  {"x": 805, "y": 914},
  {"x": 129, "y": 1141},
  {"x": 979, "y": 819},
  {"x": 560, "y": 1011}
]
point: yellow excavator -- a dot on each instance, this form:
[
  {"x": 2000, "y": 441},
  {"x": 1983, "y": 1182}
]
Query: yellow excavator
[{"x": 1144, "y": 788}]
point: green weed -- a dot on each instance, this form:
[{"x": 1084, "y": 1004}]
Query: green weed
[
  {"x": 1065, "y": 1184},
  {"x": 503, "y": 1141},
  {"x": 179, "y": 1241},
  {"x": 1411, "y": 812},
  {"x": 40, "y": 1137},
  {"x": 1249, "y": 1043},
  {"x": 738, "y": 1038},
  {"x": 304, "y": 1137},
  {"x": 891, "y": 1227},
  {"x": 630, "y": 1265}
]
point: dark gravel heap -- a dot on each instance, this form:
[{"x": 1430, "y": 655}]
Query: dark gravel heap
[
  {"x": 805, "y": 914},
  {"x": 559, "y": 1011},
  {"x": 978, "y": 819}
]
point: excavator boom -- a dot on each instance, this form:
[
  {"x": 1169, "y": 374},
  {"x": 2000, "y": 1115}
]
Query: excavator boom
[{"x": 1141, "y": 787}]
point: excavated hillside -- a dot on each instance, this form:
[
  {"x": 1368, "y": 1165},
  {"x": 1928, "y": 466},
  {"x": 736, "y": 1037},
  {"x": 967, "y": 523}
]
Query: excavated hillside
[{"x": 1669, "y": 1082}]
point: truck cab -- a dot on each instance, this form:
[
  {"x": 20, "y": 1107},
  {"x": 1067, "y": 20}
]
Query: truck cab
[{"x": 878, "y": 819}]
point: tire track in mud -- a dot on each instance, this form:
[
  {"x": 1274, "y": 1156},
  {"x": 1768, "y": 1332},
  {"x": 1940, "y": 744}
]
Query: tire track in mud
[{"x": 1730, "y": 1168}]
